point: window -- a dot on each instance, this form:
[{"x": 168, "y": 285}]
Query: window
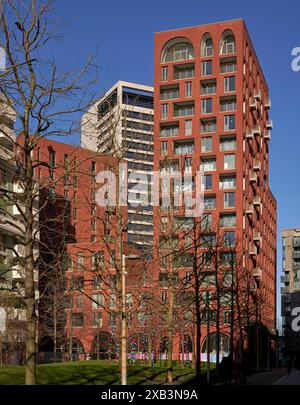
[
  {"x": 169, "y": 130},
  {"x": 206, "y": 106},
  {"x": 208, "y": 125},
  {"x": 169, "y": 93},
  {"x": 227, "y": 143},
  {"x": 97, "y": 301},
  {"x": 97, "y": 282},
  {"x": 74, "y": 214},
  {"x": 176, "y": 50},
  {"x": 210, "y": 202},
  {"x": 97, "y": 320},
  {"x": 206, "y": 68},
  {"x": 228, "y": 66},
  {"x": 183, "y": 109},
  {"x": 207, "y": 182},
  {"x": 112, "y": 260},
  {"x": 164, "y": 111},
  {"x": 97, "y": 260},
  {"x": 164, "y": 148},
  {"x": 207, "y": 46},
  {"x": 229, "y": 122},
  {"x": 229, "y": 200},
  {"x": 94, "y": 170},
  {"x": 208, "y": 164},
  {"x": 80, "y": 261},
  {"x": 188, "y": 127},
  {"x": 229, "y": 238},
  {"x": 79, "y": 301},
  {"x": 206, "y": 144},
  {"x": 93, "y": 225},
  {"x": 188, "y": 163},
  {"x": 229, "y": 84},
  {"x": 163, "y": 297},
  {"x": 227, "y": 43},
  {"x": 183, "y": 72},
  {"x": 77, "y": 320},
  {"x": 228, "y": 104},
  {"x": 227, "y": 317},
  {"x": 208, "y": 87},
  {"x": 229, "y": 162},
  {"x": 164, "y": 74},
  {"x": 188, "y": 89},
  {"x": 183, "y": 148},
  {"x": 206, "y": 220},
  {"x": 227, "y": 220},
  {"x": 227, "y": 182}
]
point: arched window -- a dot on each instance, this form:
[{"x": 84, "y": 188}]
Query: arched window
[
  {"x": 176, "y": 50},
  {"x": 207, "y": 45},
  {"x": 227, "y": 44}
]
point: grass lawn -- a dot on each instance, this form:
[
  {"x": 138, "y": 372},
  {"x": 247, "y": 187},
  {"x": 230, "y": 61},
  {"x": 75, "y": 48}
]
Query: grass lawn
[{"x": 91, "y": 372}]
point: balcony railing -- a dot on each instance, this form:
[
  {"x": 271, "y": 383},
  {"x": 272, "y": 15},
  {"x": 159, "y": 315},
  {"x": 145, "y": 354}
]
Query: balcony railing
[
  {"x": 257, "y": 165},
  {"x": 267, "y": 135},
  {"x": 257, "y": 273},
  {"x": 253, "y": 177},
  {"x": 269, "y": 124},
  {"x": 268, "y": 103},
  {"x": 253, "y": 250}
]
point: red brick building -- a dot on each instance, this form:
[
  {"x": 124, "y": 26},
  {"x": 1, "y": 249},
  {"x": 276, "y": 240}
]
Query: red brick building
[
  {"x": 79, "y": 251},
  {"x": 212, "y": 111}
]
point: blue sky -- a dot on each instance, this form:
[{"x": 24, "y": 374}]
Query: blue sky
[{"x": 120, "y": 35}]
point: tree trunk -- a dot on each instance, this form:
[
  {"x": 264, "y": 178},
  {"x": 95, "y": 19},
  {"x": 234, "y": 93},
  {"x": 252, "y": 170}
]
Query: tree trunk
[{"x": 170, "y": 332}]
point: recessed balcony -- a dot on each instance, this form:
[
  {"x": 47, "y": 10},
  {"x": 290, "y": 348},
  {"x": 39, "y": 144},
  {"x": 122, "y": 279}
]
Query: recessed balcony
[
  {"x": 253, "y": 250},
  {"x": 257, "y": 130},
  {"x": 249, "y": 210},
  {"x": 257, "y": 95},
  {"x": 257, "y": 165},
  {"x": 267, "y": 135},
  {"x": 256, "y": 200},
  {"x": 257, "y": 237},
  {"x": 249, "y": 134},
  {"x": 257, "y": 273},
  {"x": 268, "y": 104},
  {"x": 269, "y": 124},
  {"x": 253, "y": 177},
  {"x": 253, "y": 104},
  {"x": 285, "y": 278}
]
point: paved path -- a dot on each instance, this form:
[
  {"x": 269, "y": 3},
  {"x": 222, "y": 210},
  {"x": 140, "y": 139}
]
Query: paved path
[
  {"x": 266, "y": 377},
  {"x": 289, "y": 379}
]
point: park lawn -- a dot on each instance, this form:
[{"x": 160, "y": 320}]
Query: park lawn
[{"x": 95, "y": 372}]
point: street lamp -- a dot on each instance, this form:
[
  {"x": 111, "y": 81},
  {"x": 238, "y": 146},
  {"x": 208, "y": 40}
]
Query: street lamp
[{"x": 123, "y": 321}]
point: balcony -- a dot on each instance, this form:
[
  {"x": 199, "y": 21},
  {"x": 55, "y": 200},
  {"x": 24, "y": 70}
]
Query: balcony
[
  {"x": 253, "y": 250},
  {"x": 267, "y": 135},
  {"x": 257, "y": 237},
  {"x": 249, "y": 135},
  {"x": 284, "y": 290},
  {"x": 253, "y": 104},
  {"x": 257, "y": 200},
  {"x": 253, "y": 177},
  {"x": 249, "y": 210},
  {"x": 257, "y": 165},
  {"x": 268, "y": 104},
  {"x": 296, "y": 255},
  {"x": 257, "y": 95},
  {"x": 257, "y": 273},
  {"x": 257, "y": 130},
  {"x": 285, "y": 278},
  {"x": 269, "y": 124}
]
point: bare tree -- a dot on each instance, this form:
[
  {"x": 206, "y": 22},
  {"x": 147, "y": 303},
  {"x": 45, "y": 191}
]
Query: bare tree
[{"x": 45, "y": 99}]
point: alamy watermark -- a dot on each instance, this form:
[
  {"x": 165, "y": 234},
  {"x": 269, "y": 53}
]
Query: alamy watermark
[
  {"x": 164, "y": 188},
  {"x": 296, "y": 60}
]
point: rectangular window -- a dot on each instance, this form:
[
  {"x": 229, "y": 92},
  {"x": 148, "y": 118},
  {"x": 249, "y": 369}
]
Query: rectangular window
[
  {"x": 112, "y": 301},
  {"x": 208, "y": 87},
  {"x": 169, "y": 93},
  {"x": 183, "y": 72},
  {"x": 227, "y": 143},
  {"x": 163, "y": 297},
  {"x": 93, "y": 225},
  {"x": 97, "y": 301},
  {"x": 208, "y": 125},
  {"x": 206, "y": 106},
  {"x": 182, "y": 110},
  {"x": 97, "y": 320},
  {"x": 206, "y": 68},
  {"x": 207, "y": 182},
  {"x": 210, "y": 202},
  {"x": 188, "y": 89},
  {"x": 227, "y": 182},
  {"x": 169, "y": 130},
  {"x": 229, "y": 84},
  {"x": 228, "y": 105},
  {"x": 206, "y": 221},
  {"x": 188, "y": 127},
  {"x": 228, "y": 67},
  {"x": 80, "y": 261},
  {"x": 164, "y": 74},
  {"x": 74, "y": 214},
  {"x": 97, "y": 282},
  {"x": 227, "y": 220},
  {"x": 206, "y": 144},
  {"x": 229, "y": 122},
  {"x": 208, "y": 164},
  {"x": 183, "y": 148},
  {"x": 229, "y": 162},
  {"x": 79, "y": 301},
  {"x": 188, "y": 163},
  {"x": 77, "y": 320},
  {"x": 164, "y": 111},
  {"x": 164, "y": 148},
  {"x": 229, "y": 200},
  {"x": 229, "y": 238}
]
